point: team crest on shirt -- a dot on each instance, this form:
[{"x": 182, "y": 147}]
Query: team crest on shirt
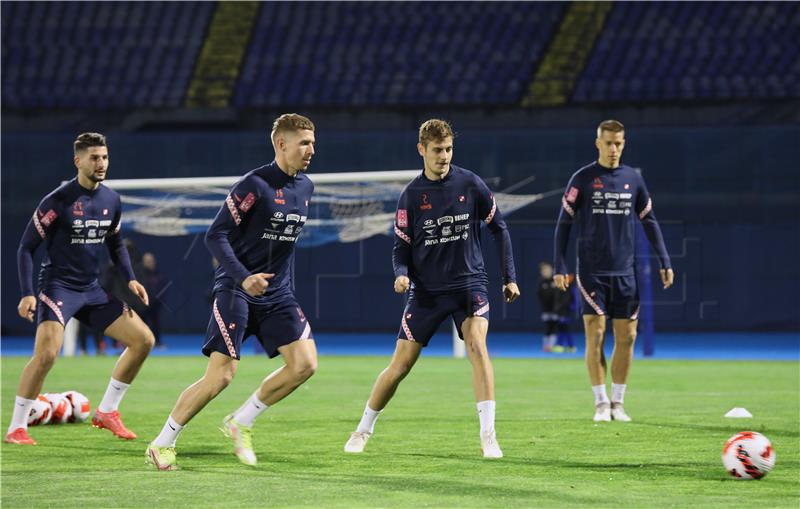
[
  {"x": 77, "y": 209},
  {"x": 597, "y": 183},
  {"x": 408, "y": 316},
  {"x": 105, "y": 212},
  {"x": 279, "y": 197},
  {"x": 627, "y": 186},
  {"x": 461, "y": 198},
  {"x": 232, "y": 326},
  {"x": 425, "y": 205}
]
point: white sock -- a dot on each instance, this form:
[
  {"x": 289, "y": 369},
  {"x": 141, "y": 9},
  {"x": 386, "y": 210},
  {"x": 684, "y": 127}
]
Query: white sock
[
  {"x": 486, "y": 416},
  {"x": 600, "y": 395},
  {"x": 252, "y": 408},
  {"x": 618, "y": 393},
  {"x": 22, "y": 408},
  {"x": 367, "y": 423},
  {"x": 114, "y": 393},
  {"x": 169, "y": 433}
]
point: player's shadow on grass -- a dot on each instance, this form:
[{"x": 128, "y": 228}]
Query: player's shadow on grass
[
  {"x": 730, "y": 428},
  {"x": 393, "y": 483}
]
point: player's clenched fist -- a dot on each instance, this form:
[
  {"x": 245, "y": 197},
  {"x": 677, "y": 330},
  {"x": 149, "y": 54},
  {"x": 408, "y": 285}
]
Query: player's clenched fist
[
  {"x": 561, "y": 282},
  {"x": 401, "y": 284},
  {"x": 256, "y": 284},
  {"x": 27, "y": 307},
  {"x": 510, "y": 292}
]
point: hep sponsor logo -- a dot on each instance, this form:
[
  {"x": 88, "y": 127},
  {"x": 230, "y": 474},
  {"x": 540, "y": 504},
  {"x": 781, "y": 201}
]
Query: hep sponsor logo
[
  {"x": 402, "y": 218},
  {"x": 248, "y": 202},
  {"x": 572, "y": 194},
  {"x": 49, "y": 217}
]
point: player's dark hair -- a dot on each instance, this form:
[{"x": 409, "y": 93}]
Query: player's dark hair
[
  {"x": 291, "y": 122},
  {"x": 613, "y": 126},
  {"x": 86, "y": 140},
  {"x": 434, "y": 130}
]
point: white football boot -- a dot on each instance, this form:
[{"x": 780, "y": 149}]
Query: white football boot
[
  {"x": 490, "y": 447},
  {"x": 602, "y": 412},
  {"x": 618, "y": 413},
  {"x": 357, "y": 441}
]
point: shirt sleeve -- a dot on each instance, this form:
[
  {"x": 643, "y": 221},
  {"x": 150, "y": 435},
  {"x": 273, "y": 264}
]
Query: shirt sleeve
[
  {"x": 231, "y": 217},
  {"x": 490, "y": 214},
  {"x": 403, "y": 235},
  {"x": 116, "y": 247},
  {"x": 570, "y": 203},
  {"x": 644, "y": 207},
  {"x": 39, "y": 228}
]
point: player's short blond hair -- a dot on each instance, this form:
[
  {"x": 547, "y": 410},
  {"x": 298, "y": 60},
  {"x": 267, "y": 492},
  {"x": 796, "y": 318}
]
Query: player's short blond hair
[
  {"x": 612, "y": 126},
  {"x": 434, "y": 130},
  {"x": 290, "y": 122}
]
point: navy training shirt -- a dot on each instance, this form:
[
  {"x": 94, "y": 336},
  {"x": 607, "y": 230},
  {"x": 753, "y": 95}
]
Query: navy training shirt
[
  {"x": 605, "y": 203},
  {"x": 437, "y": 233},
  {"x": 256, "y": 230},
  {"x": 74, "y": 223}
]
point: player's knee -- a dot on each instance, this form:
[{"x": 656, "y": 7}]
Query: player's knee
[
  {"x": 304, "y": 369},
  {"x": 149, "y": 340},
  {"x": 626, "y": 341},
  {"x": 222, "y": 381},
  {"x": 399, "y": 369},
  {"x": 45, "y": 359}
]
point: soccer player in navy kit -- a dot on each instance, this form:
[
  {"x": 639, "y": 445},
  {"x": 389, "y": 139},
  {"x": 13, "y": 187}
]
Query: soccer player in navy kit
[
  {"x": 77, "y": 221},
  {"x": 437, "y": 259},
  {"x": 605, "y": 199},
  {"x": 253, "y": 236}
]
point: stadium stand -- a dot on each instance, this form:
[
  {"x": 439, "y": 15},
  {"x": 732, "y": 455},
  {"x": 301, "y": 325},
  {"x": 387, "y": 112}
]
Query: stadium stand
[
  {"x": 100, "y": 55},
  {"x": 673, "y": 51}
]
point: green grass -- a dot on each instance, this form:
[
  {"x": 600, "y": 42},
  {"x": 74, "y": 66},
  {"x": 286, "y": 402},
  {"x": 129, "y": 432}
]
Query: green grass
[{"x": 425, "y": 452}]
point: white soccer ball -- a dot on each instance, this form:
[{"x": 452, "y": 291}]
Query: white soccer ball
[
  {"x": 80, "y": 406},
  {"x": 748, "y": 455},
  {"x": 40, "y": 412},
  {"x": 61, "y": 407}
]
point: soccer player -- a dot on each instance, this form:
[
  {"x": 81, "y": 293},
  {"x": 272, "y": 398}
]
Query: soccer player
[
  {"x": 253, "y": 236},
  {"x": 605, "y": 198},
  {"x": 74, "y": 222},
  {"x": 437, "y": 259}
]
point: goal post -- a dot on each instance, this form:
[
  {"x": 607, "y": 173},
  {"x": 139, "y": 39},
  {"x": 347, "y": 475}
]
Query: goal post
[{"x": 347, "y": 207}]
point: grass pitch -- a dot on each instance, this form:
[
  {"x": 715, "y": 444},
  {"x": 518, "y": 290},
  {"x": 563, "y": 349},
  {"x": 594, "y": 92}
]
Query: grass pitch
[{"x": 425, "y": 452}]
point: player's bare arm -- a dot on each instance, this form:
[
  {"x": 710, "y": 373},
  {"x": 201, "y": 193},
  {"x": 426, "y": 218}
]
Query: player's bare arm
[{"x": 561, "y": 282}]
